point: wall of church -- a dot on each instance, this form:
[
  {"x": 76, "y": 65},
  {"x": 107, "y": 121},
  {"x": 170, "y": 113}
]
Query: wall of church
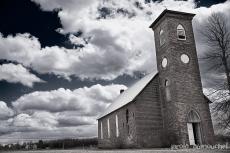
[
  {"x": 149, "y": 116},
  {"x": 144, "y": 127},
  {"x": 126, "y": 129}
]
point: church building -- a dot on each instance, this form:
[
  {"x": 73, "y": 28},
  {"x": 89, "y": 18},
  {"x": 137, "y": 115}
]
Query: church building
[{"x": 164, "y": 108}]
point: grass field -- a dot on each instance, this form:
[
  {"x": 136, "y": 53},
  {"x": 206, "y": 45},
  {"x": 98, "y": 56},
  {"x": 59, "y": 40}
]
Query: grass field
[{"x": 125, "y": 151}]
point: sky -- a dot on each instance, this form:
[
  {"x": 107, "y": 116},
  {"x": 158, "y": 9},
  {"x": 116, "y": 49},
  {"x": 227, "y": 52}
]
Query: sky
[{"x": 63, "y": 62}]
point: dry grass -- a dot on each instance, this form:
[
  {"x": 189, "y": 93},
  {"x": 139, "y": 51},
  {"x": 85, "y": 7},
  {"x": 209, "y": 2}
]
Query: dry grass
[{"x": 126, "y": 151}]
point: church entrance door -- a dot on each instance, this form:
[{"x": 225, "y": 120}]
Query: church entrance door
[
  {"x": 194, "y": 133},
  {"x": 194, "y": 130}
]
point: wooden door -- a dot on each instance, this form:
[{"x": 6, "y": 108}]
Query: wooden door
[{"x": 190, "y": 134}]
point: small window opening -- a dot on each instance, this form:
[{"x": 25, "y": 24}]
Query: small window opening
[
  {"x": 108, "y": 124},
  {"x": 166, "y": 83},
  {"x": 117, "y": 128},
  {"x": 127, "y": 115},
  {"x": 181, "y": 32},
  {"x": 167, "y": 90},
  {"x": 162, "y": 38},
  {"x": 101, "y": 131}
]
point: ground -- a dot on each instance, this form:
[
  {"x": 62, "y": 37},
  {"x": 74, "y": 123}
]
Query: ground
[{"x": 127, "y": 151}]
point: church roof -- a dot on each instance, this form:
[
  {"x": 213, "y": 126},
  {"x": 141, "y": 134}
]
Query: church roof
[
  {"x": 171, "y": 12},
  {"x": 130, "y": 94}
]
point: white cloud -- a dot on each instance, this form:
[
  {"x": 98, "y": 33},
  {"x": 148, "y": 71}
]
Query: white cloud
[
  {"x": 96, "y": 60},
  {"x": 119, "y": 44},
  {"x": 57, "y": 113},
  {"x": 5, "y": 111},
  {"x": 16, "y": 73},
  {"x": 47, "y": 113},
  {"x": 37, "y": 121},
  {"x": 86, "y": 101}
]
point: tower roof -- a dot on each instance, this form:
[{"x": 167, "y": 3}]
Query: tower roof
[{"x": 169, "y": 12}]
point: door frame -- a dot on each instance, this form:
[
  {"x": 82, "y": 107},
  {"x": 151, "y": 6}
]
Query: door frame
[{"x": 193, "y": 119}]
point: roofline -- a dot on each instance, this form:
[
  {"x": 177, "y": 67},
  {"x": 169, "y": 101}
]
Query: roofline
[
  {"x": 209, "y": 101},
  {"x": 169, "y": 11},
  {"x": 116, "y": 110},
  {"x": 130, "y": 101}
]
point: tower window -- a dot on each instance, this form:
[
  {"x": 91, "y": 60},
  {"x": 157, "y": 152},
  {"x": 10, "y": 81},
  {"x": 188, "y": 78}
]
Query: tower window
[
  {"x": 167, "y": 90},
  {"x": 184, "y": 58},
  {"x": 164, "y": 62},
  {"x": 166, "y": 83},
  {"x": 181, "y": 32},
  {"x": 162, "y": 37}
]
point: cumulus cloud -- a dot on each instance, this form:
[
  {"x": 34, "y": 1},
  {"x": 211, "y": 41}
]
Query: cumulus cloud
[
  {"x": 61, "y": 110},
  {"x": 123, "y": 26},
  {"x": 86, "y": 101},
  {"x": 38, "y": 120},
  {"x": 5, "y": 111},
  {"x": 96, "y": 60},
  {"x": 16, "y": 73},
  {"x": 115, "y": 37}
]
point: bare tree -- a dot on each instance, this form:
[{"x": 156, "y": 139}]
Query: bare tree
[{"x": 216, "y": 34}]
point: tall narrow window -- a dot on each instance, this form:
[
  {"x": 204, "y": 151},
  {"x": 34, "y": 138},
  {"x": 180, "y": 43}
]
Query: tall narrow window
[
  {"x": 127, "y": 115},
  {"x": 101, "y": 131},
  {"x": 166, "y": 83},
  {"x": 117, "y": 130},
  {"x": 108, "y": 128},
  {"x": 181, "y": 32},
  {"x": 162, "y": 37},
  {"x": 167, "y": 90}
]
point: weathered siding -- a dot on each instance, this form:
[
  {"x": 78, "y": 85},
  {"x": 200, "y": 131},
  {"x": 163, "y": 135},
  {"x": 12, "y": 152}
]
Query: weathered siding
[
  {"x": 125, "y": 139},
  {"x": 148, "y": 116}
]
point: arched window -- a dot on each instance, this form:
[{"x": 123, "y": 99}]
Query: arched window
[
  {"x": 127, "y": 115},
  {"x": 162, "y": 37},
  {"x": 167, "y": 90},
  {"x": 166, "y": 83},
  {"x": 181, "y": 32},
  {"x": 193, "y": 117}
]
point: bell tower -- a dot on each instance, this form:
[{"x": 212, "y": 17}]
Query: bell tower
[{"x": 185, "y": 109}]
